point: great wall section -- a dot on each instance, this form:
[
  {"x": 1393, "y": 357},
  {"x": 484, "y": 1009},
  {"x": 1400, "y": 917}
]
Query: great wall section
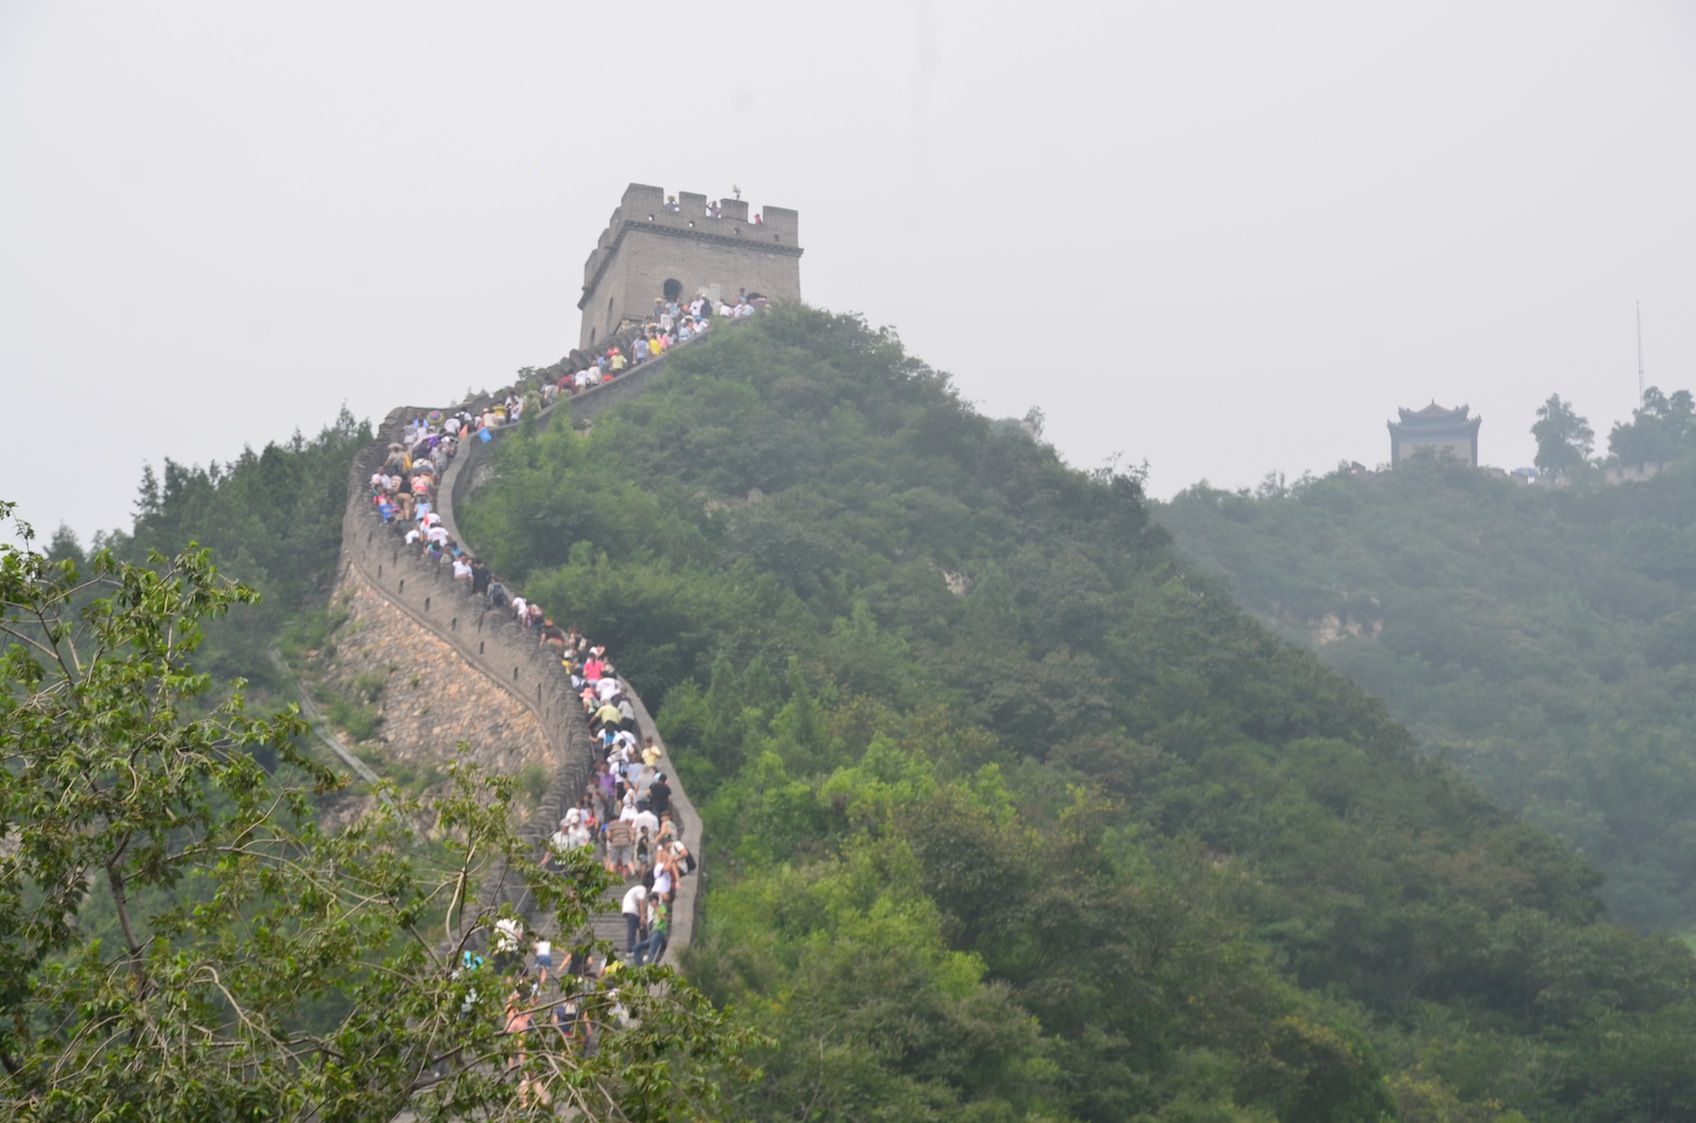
[
  {"x": 455, "y": 648},
  {"x": 444, "y": 653}
]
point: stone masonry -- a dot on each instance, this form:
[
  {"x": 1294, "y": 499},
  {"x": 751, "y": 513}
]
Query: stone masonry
[
  {"x": 429, "y": 703},
  {"x": 647, "y": 249}
]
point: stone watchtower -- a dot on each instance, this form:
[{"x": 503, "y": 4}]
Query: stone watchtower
[
  {"x": 1448, "y": 431},
  {"x": 676, "y": 246}
]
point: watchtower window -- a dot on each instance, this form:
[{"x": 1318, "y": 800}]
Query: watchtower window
[
  {"x": 673, "y": 288},
  {"x": 609, "y": 313},
  {"x": 591, "y": 335}
]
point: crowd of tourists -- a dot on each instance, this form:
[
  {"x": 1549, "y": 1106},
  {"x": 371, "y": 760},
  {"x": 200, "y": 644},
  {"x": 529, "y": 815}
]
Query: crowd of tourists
[
  {"x": 711, "y": 210},
  {"x": 625, "y": 818},
  {"x": 670, "y": 324}
]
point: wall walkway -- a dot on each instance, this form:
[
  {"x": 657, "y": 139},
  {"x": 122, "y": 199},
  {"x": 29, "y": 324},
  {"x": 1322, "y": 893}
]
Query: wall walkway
[{"x": 493, "y": 647}]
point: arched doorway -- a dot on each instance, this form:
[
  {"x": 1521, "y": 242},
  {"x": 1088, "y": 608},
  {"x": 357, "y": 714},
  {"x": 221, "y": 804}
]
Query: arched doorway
[{"x": 673, "y": 288}]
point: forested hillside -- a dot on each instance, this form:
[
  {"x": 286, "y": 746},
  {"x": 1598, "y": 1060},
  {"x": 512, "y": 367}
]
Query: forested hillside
[
  {"x": 272, "y": 519},
  {"x": 1013, "y": 813},
  {"x": 1541, "y": 639}
]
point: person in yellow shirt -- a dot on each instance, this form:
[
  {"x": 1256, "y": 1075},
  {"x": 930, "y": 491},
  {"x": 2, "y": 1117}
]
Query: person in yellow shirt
[{"x": 607, "y": 715}]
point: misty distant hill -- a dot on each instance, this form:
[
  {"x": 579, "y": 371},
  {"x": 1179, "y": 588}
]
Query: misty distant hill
[{"x": 1543, "y": 640}]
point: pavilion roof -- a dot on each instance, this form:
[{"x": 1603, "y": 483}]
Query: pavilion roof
[{"x": 1434, "y": 412}]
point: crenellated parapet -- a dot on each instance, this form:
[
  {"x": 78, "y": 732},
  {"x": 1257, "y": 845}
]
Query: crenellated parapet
[{"x": 677, "y": 245}]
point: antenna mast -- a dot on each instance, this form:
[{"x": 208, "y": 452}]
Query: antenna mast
[{"x": 1639, "y": 354}]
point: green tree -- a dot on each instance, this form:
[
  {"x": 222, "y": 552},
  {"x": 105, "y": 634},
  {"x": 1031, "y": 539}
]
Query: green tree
[
  {"x": 1328, "y": 1075},
  {"x": 1564, "y": 439},
  {"x": 259, "y": 965},
  {"x": 1661, "y": 429}
]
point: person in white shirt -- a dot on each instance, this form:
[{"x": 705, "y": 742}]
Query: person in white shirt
[
  {"x": 520, "y": 609},
  {"x": 635, "y": 898},
  {"x": 558, "y": 843},
  {"x": 577, "y": 835},
  {"x": 509, "y": 942}
]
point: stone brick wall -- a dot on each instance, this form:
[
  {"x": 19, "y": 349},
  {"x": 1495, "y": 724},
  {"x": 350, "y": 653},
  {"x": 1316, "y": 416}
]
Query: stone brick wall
[
  {"x": 1460, "y": 448},
  {"x": 428, "y": 703},
  {"x": 643, "y": 260},
  {"x": 645, "y": 245}
]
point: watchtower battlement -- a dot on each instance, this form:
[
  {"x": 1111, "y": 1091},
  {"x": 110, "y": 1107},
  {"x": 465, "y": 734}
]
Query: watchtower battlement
[{"x": 659, "y": 245}]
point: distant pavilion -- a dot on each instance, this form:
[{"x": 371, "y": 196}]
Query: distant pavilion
[{"x": 1448, "y": 431}]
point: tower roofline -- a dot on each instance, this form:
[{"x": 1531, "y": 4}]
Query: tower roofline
[
  {"x": 687, "y": 214},
  {"x": 670, "y": 229}
]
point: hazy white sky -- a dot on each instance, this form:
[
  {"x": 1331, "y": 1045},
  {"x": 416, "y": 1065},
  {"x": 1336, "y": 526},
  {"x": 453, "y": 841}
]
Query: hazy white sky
[{"x": 1227, "y": 238}]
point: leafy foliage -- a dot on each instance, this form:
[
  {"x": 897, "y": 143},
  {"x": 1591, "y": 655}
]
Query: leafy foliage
[
  {"x": 1662, "y": 429},
  {"x": 1564, "y": 439},
  {"x": 266, "y": 967},
  {"x": 273, "y": 518},
  {"x": 1014, "y": 814},
  {"x": 1541, "y": 639}
]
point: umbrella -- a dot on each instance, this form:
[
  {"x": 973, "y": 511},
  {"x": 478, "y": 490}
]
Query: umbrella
[{"x": 434, "y": 417}]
